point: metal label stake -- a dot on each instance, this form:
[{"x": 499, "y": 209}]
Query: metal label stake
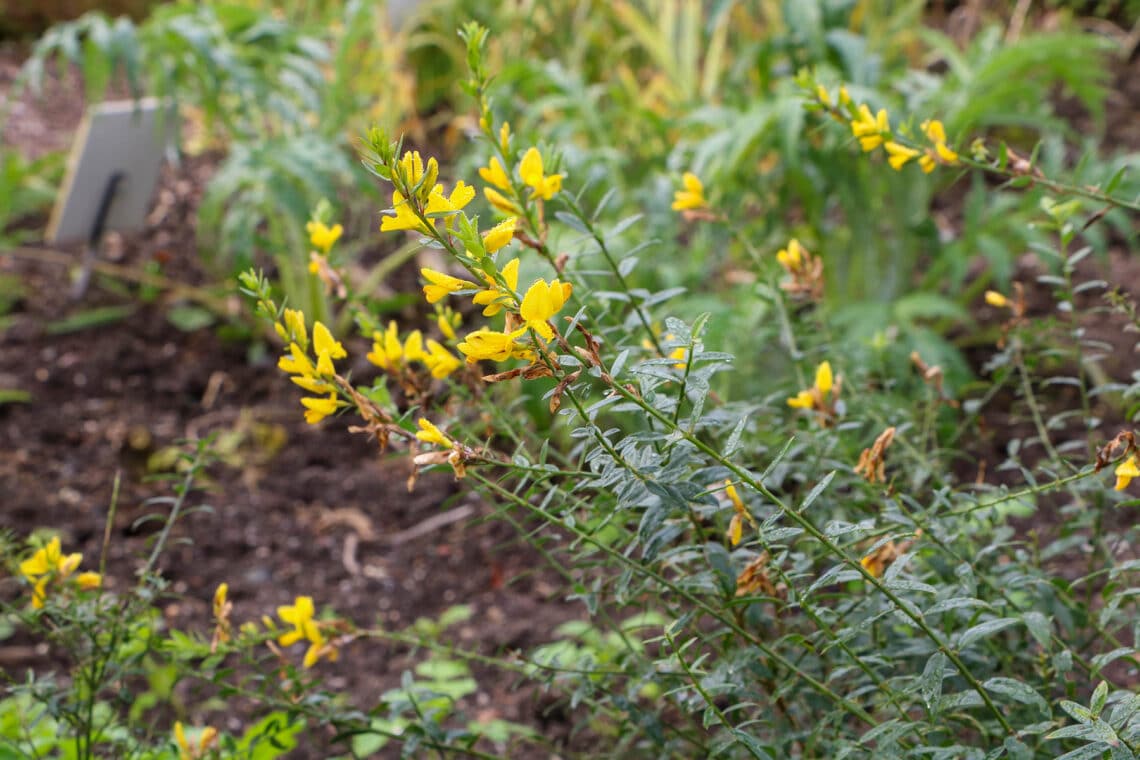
[{"x": 111, "y": 176}]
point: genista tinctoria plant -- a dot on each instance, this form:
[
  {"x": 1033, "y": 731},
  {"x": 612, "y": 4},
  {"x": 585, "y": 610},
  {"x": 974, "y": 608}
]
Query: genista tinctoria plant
[{"x": 821, "y": 579}]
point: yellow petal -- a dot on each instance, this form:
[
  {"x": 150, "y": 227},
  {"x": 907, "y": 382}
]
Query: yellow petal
[
  {"x": 501, "y": 202},
  {"x": 530, "y": 168},
  {"x": 898, "y": 155},
  {"x": 733, "y": 496},
  {"x": 89, "y": 580},
  {"x": 414, "y": 346},
  {"x": 429, "y": 433},
  {"x": 996, "y": 299},
  {"x": 323, "y": 341},
  {"x": 802, "y": 400},
  {"x": 499, "y": 235},
  {"x": 494, "y": 174},
  {"x": 823, "y": 378},
  {"x": 735, "y": 530}
]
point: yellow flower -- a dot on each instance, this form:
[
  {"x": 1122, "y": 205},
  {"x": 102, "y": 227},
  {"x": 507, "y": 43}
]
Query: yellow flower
[
  {"x": 39, "y": 592},
  {"x": 386, "y": 350},
  {"x": 313, "y": 384},
  {"x": 996, "y": 299},
  {"x": 429, "y": 433},
  {"x": 297, "y": 363},
  {"x": 873, "y": 565},
  {"x": 89, "y": 581},
  {"x": 936, "y": 133},
  {"x": 441, "y": 285},
  {"x": 505, "y": 137},
  {"x": 323, "y": 343},
  {"x": 823, "y": 378},
  {"x": 844, "y": 98},
  {"x": 447, "y": 320},
  {"x": 50, "y": 559},
  {"x": 322, "y": 236},
  {"x": 822, "y": 96},
  {"x": 934, "y": 130},
  {"x": 188, "y": 751},
  {"x": 735, "y": 530},
  {"x": 499, "y": 235},
  {"x": 459, "y": 198},
  {"x": 813, "y": 398},
  {"x": 317, "y": 650},
  {"x": 439, "y": 361},
  {"x": 436, "y": 204},
  {"x": 405, "y": 217},
  {"x": 414, "y": 346},
  {"x": 870, "y": 129},
  {"x": 692, "y": 196},
  {"x": 492, "y": 297},
  {"x": 802, "y": 400},
  {"x": 742, "y": 515},
  {"x": 496, "y": 346},
  {"x": 733, "y": 496},
  {"x": 541, "y": 302},
  {"x": 316, "y": 409},
  {"x": 294, "y": 327},
  {"x": 1125, "y": 472},
  {"x": 501, "y": 202},
  {"x": 531, "y": 171},
  {"x": 494, "y": 173},
  {"x": 946, "y": 155},
  {"x": 412, "y": 167},
  {"x": 791, "y": 258},
  {"x": 899, "y": 155},
  {"x": 300, "y": 616}
]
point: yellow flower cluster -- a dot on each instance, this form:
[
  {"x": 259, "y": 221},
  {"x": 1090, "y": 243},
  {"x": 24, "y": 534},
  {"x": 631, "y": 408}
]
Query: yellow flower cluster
[
  {"x": 503, "y": 194},
  {"x": 427, "y": 201},
  {"x": 391, "y": 356},
  {"x": 320, "y": 378},
  {"x": 691, "y": 196},
  {"x": 300, "y": 616},
  {"x": 874, "y": 130},
  {"x": 48, "y": 566},
  {"x": 323, "y": 238},
  {"x": 541, "y": 301},
  {"x": 805, "y": 271}
]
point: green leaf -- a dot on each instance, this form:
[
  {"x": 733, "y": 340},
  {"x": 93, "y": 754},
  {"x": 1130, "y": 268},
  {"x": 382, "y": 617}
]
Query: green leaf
[
  {"x": 819, "y": 488},
  {"x": 988, "y": 628},
  {"x": 1039, "y": 627},
  {"x": 931, "y": 681},
  {"x": 1017, "y": 691},
  {"x": 1099, "y": 696}
]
